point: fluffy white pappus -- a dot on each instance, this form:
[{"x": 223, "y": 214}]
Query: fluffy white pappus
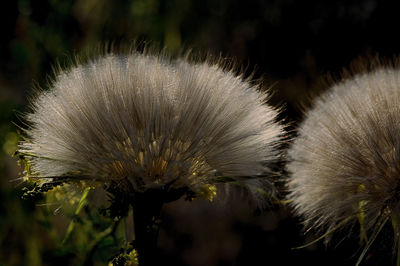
[
  {"x": 152, "y": 120},
  {"x": 345, "y": 164}
]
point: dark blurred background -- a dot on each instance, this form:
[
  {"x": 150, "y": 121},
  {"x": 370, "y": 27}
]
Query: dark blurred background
[{"x": 290, "y": 45}]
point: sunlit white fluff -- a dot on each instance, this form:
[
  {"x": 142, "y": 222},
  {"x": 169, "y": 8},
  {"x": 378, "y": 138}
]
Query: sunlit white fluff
[
  {"x": 152, "y": 120},
  {"x": 345, "y": 163}
]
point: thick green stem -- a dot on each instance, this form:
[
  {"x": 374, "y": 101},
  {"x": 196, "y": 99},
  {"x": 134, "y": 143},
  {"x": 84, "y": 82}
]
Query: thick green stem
[
  {"x": 147, "y": 220},
  {"x": 146, "y": 216}
]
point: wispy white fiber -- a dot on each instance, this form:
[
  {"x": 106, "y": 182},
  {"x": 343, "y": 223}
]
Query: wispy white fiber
[
  {"x": 152, "y": 120},
  {"x": 345, "y": 163}
]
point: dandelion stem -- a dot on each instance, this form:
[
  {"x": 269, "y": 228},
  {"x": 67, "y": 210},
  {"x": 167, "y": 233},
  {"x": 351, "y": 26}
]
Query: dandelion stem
[
  {"x": 146, "y": 217},
  {"x": 147, "y": 220}
]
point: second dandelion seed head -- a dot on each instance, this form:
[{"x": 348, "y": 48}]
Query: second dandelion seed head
[{"x": 345, "y": 163}]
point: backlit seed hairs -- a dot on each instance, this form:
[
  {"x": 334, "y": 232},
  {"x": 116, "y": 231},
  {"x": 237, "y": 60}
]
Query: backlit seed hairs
[
  {"x": 345, "y": 164},
  {"x": 152, "y": 120}
]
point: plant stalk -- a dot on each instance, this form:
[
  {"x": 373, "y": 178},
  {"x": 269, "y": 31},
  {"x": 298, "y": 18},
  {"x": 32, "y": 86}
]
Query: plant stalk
[{"x": 147, "y": 218}]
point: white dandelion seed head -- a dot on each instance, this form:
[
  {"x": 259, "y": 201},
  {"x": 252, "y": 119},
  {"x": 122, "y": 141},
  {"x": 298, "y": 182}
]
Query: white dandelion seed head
[
  {"x": 346, "y": 159},
  {"x": 152, "y": 120}
]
